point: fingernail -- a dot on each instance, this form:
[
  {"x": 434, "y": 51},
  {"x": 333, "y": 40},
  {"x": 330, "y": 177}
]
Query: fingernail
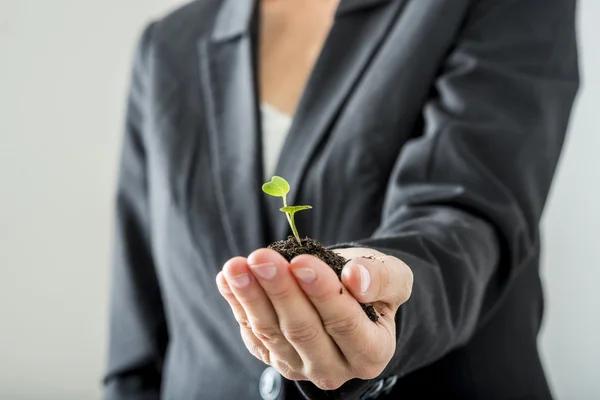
[
  {"x": 365, "y": 278},
  {"x": 222, "y": 283},
  {"x": 240, "y": 281},
  {"x": 306, "y": 275},
  {"x": 224, "y": 288},
  {"x": 265, "y": 271}
]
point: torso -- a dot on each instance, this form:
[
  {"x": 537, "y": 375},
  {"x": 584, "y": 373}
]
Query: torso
[{"x": 199, "y": 101}]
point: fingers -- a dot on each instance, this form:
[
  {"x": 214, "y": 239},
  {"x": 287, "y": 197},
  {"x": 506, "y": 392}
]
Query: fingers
[
  {"x": 299, "y": 318},
  {"x": 358, "y": 338},
  {"x": 383, "y": 279},
  {"x": 254, "y": 345},
  {"x": 238, "y": 311},
  {"x": 299, "y": 321},
  {"x": 263, "y": 322}
]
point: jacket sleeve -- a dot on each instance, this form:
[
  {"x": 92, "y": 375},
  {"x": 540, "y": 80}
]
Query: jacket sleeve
[
  {"x": 464, "y": 200},
  {"x": 138, "y": 333}
]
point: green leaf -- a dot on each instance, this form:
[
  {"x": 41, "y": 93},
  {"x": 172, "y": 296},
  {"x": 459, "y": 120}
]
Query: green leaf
[
  {"x": 294, "y": 209},
  {"x": 278, "y": 187}
]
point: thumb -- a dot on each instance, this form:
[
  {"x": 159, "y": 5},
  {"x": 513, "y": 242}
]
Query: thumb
[{"x": 382, "y": 279}]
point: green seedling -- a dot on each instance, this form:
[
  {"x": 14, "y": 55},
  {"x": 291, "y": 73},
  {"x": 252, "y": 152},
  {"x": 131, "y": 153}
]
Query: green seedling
[{"x": 278, "y": 187}]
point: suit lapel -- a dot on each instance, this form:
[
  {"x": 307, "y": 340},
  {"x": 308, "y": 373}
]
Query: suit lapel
[
  {"x": 358, "y": 31},
  {"x": 347, "y": 6},
  {"x": 229, "y": 92}
]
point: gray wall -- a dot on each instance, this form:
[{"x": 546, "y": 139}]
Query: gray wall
[
  {"x": 64, "y": 67},
  {"x": 571, "y": 271}
]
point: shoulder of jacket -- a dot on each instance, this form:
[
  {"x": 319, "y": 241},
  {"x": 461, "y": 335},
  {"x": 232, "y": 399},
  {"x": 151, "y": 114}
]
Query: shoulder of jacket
[{"x": 186, "y": 23}]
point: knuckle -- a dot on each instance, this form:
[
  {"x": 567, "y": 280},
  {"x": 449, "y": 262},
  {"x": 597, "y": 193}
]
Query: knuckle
[
  {"x": 268, "y": 334},
  {"x": 324, "y": 296},
  {"x": 329, "y": 382},
  {"x": 301, "y": 333},
  {"x": 345, "y": 326},
  {"x": 252, "y": 301},
  {"x": 243, "y": 322},
  {"x": 286, "y": 370},
  {"x": 368, "y": 371},
  {"x": 292, "y": 375},
  {"x": 280, "y": 295},
  {"x": 256, "y": 349},
  {"x": 372, "y": 356},
  {"x": 377, "y": 355},
  {"x": 263, "y": 354}
]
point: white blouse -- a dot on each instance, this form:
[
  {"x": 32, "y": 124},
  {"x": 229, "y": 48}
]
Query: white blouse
[{"x": 275, "y": 127}]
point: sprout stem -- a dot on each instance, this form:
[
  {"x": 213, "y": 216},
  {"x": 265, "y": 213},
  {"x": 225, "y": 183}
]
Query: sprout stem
[{"x": 290, "y": 219}]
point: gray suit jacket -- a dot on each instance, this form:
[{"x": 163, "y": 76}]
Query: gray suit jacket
[{"x": 429, "y": 130}]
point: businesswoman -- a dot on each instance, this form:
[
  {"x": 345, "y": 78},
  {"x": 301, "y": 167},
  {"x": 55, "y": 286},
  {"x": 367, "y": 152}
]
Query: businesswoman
[{"x": 423, "y": 133}]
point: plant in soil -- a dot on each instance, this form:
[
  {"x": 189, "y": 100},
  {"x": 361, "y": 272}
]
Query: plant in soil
[{"x": 294, "y": 245}]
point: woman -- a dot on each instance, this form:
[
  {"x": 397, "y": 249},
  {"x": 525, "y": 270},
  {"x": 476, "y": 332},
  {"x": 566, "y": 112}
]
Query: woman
[{"x": 425, "y": 133}]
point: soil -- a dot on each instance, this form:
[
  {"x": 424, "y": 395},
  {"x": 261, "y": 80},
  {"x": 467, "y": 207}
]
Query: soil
[{"x": 290, "y": 248}]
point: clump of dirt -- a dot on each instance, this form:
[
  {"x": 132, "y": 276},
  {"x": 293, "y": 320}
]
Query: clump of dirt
[{"x": 290, "y": 248}]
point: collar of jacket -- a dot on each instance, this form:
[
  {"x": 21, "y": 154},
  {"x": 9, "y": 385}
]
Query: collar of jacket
[{"x": 235, "y": 16}]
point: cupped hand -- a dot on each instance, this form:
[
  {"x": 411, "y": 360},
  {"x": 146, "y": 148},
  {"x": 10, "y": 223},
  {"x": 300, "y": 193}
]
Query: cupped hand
[{"x": 299, "y": 318}]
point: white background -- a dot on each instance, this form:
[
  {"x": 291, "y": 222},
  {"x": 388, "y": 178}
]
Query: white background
[{"x": 64, "y": 68}]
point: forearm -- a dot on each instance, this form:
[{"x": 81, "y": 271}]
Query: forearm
[{"x": 454, "y": 257}]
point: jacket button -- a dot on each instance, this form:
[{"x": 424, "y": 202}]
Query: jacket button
[
  {"x": 389, "y": 384},
  {"x": 374, "y": 392},
  {"x": 270, "y": 384}
]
